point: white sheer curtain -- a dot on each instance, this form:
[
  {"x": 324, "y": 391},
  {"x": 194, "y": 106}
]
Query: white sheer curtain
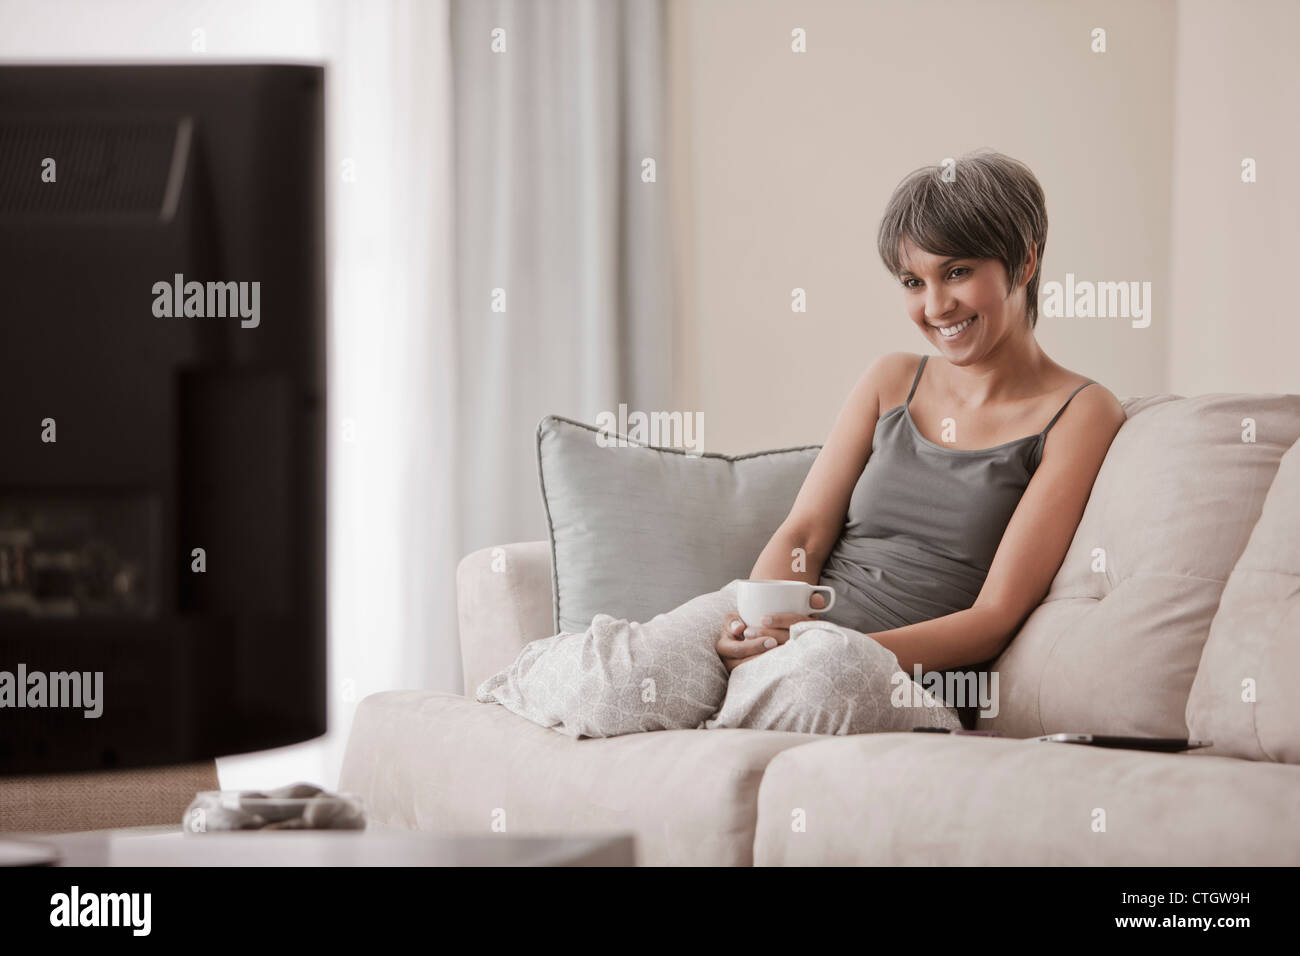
[{"x": 393, "y": 545}]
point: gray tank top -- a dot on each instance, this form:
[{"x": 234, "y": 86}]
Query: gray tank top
[{"x": 924, "y": 522}]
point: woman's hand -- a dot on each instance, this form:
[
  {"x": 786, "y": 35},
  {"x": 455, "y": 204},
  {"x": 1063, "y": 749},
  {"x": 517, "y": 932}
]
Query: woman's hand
[{"x": 739, "y": 643}]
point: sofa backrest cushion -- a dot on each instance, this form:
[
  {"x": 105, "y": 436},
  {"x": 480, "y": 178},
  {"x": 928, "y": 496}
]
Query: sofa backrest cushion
[
  {"x": 637, "y": 530},
  {"x": 1244, "y": 697},
  {"x": 1115, "y": 645}
]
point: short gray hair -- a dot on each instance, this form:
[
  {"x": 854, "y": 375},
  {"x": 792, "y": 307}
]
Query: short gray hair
[{"x": 993, "y": 209}]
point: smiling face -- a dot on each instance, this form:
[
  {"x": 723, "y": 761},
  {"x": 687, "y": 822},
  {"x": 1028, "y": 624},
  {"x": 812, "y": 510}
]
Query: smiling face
[{"x": 961, "y": 305}]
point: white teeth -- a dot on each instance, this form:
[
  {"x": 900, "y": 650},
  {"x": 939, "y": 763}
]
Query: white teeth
[{"x": 952, "y": 330}]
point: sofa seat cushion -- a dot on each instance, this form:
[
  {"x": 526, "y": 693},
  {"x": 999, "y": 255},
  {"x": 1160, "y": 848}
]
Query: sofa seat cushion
[
  {"x": 424, "y": 760},
  {"x": 931, "y": 799},
  {"x": 1115, "y": 644}
]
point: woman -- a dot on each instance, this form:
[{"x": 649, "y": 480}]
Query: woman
[{"x": 939, "y": 509}]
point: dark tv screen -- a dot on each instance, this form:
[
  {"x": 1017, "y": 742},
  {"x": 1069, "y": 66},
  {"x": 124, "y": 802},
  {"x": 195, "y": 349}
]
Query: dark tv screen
[{"x": 162, "y": 409}]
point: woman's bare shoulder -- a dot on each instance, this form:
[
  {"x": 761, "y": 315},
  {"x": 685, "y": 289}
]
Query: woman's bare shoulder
[
  {"x": 1094, "y": 407},
  {"x": 1097, "y": 393},
  {"x": 893, "y": 373}
]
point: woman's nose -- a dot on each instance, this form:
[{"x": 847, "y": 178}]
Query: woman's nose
[{"x": 937, "y": 306}]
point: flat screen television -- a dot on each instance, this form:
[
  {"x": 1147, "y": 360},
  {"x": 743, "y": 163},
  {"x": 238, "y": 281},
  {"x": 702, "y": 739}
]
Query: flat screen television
[{"x": 162, "y": 409}]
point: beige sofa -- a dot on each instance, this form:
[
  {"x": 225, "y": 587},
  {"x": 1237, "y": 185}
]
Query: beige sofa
[{"x": 1176, "y": 612}]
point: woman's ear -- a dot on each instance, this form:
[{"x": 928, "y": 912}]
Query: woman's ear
[{"x": 1031, "y": 264}]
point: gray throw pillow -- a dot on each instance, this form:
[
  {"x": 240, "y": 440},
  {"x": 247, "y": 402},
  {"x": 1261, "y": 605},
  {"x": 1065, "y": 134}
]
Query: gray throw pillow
[{"x": 638, "y": 530}]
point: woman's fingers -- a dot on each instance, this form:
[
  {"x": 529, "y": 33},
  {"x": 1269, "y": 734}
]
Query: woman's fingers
[
  {"x": 732, "y": 645},
  {"x": 739, "y": 642},
  {"x": 741, "y": 649}
]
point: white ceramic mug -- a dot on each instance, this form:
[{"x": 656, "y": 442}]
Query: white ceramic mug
[{"x": 754, "y": 599}]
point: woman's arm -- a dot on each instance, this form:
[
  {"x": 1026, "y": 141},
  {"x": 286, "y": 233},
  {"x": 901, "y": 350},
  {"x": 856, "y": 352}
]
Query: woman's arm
[
  {"x": 817, "y": 515},
  {"x": 799, "y": 548},
  {"x": 1032, "y": 547}
]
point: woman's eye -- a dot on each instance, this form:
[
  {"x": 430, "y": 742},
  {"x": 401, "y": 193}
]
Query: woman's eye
[{"x": 950, "y": 275}]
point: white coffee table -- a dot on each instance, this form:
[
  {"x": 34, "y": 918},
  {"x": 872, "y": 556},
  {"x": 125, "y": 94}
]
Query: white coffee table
[{"x": 169, "y": 846}]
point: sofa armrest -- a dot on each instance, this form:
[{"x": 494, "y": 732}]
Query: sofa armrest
[{"x": 503, "y": 601}]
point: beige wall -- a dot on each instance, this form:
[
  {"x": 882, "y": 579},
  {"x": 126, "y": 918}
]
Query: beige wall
[
  {"x": 783, "y": 163},
  {"x": 1236, "y": 247}
]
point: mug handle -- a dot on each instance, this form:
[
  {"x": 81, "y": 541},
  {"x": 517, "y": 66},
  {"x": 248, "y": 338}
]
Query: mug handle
[{"x": 830, "y": 599}]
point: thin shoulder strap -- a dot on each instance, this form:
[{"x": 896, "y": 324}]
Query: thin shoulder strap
[
  {"x": 916, "y": 379},
  {"x": 1067, "y": 402}
]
